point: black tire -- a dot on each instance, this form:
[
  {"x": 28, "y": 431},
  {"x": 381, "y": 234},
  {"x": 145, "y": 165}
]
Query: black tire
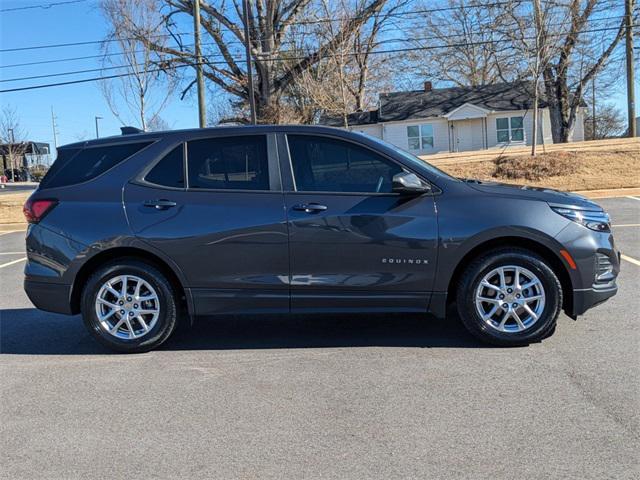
[
  {"x": 168, "y": 304},
  {"x": 543, "y": 327}
]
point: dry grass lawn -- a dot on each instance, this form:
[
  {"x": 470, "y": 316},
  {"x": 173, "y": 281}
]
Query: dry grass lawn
[
  {"x": 11, "y": 207},
  {"x": 561, "y": 170}
]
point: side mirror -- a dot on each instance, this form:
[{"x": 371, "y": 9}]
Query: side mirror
[{"x": 409, "y": 183}]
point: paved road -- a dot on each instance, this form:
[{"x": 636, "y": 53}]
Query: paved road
[{"x": 385, "y": 397}]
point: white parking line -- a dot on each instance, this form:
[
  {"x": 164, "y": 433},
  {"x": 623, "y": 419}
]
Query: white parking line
[
  {"x": 629, "y": 259},
  {"x": 633, "y": 198},
  {"x": 626, "y": 225},
  {"x": 11, "y": 253},
  {"x": 24, "y": 258}
]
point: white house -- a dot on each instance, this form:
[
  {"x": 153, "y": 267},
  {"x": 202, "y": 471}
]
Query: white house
[{"x": 457, "y": 119}]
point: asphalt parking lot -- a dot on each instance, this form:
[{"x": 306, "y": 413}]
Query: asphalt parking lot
[{"x": 329, "y": 397}]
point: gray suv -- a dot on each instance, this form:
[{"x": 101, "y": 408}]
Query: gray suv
[{"x": 144, "y": 230}]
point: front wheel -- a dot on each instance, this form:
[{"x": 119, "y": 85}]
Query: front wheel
[
  {"x": 509, "y": 297},
  {"x": 129, "y": 306}
]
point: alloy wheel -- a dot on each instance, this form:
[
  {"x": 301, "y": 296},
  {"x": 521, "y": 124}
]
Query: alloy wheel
[
  {"x": 127, "y": 307},
  {"x": 510, "y": 299}
]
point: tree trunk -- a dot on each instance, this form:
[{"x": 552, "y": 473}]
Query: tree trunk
[{"x": 557, "y": 114}]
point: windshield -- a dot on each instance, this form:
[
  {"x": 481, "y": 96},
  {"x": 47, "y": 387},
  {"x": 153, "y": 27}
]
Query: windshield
[{"x": 412, "y": 159}]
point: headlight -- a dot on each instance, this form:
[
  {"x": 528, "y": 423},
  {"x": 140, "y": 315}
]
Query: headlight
[{"x": 593, "y": 219}]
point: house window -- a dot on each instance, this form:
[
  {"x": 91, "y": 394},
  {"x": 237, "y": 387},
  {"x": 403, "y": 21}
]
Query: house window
[
  {"x": 510, "y": 129},
  {"x": 420, "y": 137}
]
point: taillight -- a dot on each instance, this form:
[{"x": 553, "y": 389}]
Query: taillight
[{"x": 35, "y": 210}]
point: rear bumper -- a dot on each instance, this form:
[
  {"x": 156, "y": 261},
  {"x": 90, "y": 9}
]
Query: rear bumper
[
  {"x": 51, "y": 297},
  {"x": 585, "y": 299}
]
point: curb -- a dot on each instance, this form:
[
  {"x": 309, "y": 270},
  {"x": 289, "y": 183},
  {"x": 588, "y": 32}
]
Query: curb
[
  {"x": 13, "y": 227},
  {"x": 610, "y": 193}
]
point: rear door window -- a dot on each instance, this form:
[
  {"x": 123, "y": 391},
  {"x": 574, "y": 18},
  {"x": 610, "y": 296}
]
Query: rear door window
[
  {"x": 169, "y": 172},
  {"x": 229, "y": 163},
  {"x": 87, "y": 163}
]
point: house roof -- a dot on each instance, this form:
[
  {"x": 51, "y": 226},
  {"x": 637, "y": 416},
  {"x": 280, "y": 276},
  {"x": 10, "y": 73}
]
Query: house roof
[
  {"x": 397, "y": 106},
  {"x": 440, "y": 101},
  {"x": 355, "y": 118}
]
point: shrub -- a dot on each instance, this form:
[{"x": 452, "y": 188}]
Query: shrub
[{"x": 536, "y": 168}]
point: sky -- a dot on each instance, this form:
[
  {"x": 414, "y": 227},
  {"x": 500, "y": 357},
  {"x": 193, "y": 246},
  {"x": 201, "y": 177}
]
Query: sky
[{"x": 76, "y": 106}]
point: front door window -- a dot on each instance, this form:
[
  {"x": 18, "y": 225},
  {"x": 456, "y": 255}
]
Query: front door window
[{"x": 322, "y": 164}]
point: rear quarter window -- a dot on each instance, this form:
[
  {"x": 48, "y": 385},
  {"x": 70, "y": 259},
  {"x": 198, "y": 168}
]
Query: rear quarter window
[
  {"x": 168, "y": 172},
  {"x": 74, "y": 166}
]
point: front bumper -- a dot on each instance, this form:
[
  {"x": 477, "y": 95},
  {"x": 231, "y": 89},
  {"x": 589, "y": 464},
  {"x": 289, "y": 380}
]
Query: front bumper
[
  {"x": 597, "y": 265},
  {"x": 588, "y": 298},
  {"x": 50, "y": 297}
]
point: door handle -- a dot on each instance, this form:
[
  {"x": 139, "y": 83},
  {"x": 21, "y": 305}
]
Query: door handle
[
  {"x": 161, "y": 204},
  {"x": 310, "y": 207}
]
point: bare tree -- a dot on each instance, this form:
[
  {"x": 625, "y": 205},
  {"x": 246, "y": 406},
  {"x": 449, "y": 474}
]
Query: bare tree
[
  {"x": 373, "y": 72},
  {"x": 325, "y": 86},
  {"x": 609, "y": 122},
  {"x": 157, "y": 124},
  {"x": 272, "y": 23},
  {"x": 349, "y": 78},
  {"x": 13, "y": 139},
  {"x": 564, "y": 43},
  {"x": 145, "y": 91},
  {"x": 579, "y": 46},
  {"x": 463, "y": 45},
  {"x": 531, "y": 44}
]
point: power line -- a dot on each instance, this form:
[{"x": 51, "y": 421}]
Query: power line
[
  {"x": 301, "y": 22},
  {"x": 43, "y": 6},
  {"x": 85, "y": 80},
  {"x": 112, "y": 54},
  {"x": 400, "y": 14},
  {"x": 378, "y": 52},
  {"x": 88, "y": 42},
  {"x": 399, "y": 40}
]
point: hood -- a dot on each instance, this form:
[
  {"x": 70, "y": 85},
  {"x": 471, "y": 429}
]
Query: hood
[{"x": 549, "y": 195}]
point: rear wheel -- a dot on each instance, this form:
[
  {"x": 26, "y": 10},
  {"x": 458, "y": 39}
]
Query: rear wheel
[
  {"x": 129, "y": 306},
  {"x": 509, "y": 297}
]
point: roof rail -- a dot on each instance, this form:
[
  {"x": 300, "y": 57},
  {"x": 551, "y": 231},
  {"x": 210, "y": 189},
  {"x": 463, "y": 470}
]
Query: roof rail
[{"x": 130, "y": 130}]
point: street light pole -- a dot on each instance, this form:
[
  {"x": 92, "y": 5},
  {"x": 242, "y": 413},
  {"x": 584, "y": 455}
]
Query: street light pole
[{"x": 97, "y": 133}]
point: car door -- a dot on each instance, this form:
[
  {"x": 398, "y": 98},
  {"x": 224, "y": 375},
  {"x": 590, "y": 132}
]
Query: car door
[
  {"x": 214, "y": 206},
  {"x": 353, "y": 243}
]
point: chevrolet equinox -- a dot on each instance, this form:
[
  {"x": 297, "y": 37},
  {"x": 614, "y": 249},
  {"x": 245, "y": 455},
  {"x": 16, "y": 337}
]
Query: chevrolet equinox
[{"x": 140, "y": 231}]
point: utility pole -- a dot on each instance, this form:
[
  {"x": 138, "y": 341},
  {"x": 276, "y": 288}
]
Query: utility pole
[
  {"x": 247, "y": 46},
  {"x": 537, "y": 20},
  {"x": 593, "y": 108},
  {"x": 13, "y": 142},
  {"x": 631, "y": 94},
  {"x": 53, "y": 126},
  {"x": 202, "y": 111},
  {"x": 97, "y": 133},
  {"x": 55, "y": 136}
]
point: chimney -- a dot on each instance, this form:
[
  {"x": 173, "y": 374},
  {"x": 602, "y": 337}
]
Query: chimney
[{"x": 427, "y": 86}]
